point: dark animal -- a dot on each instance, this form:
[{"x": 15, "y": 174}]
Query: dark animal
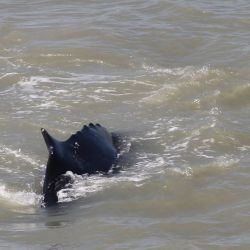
[{"x": 89, "y": 151}]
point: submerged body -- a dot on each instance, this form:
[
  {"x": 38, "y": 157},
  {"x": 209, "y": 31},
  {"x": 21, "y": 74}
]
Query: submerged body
[{"x": 89, "y": 151}]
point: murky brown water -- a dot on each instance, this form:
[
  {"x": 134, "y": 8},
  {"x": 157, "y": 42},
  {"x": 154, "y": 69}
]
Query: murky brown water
[{"x": 173, "y": 77}]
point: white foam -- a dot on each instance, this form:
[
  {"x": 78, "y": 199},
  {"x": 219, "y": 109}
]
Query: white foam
[
  {"x": 97, "y": 98},
  {"x": 7, "y": 74},
  {"x": 28, "y": 84},
  {"x": 84, "y": 186},
  {"x": 244, "y": 148},
  {"x": 173, "y": 128},
  {"x": 186, "y": 171},
  {"x": 181, "y": 146},
  {"x": 47, "y": 105},
  {"x": 226, "y": 161},
  {"x": 154, "y": 69},
  {"x": 56, "y": 55},
  {"x": 94, "y": 61},
  {"x": 188, "y": 71},
  {"x": 19, "y": 198},
  {"x": 103, "y": 90}
]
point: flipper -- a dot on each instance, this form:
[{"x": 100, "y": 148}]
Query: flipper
[{"x": 89, "y": 151}]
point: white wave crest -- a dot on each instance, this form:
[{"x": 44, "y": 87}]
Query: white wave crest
[
  {"x": 18, "y": 198},
  {"x": 17, "y": 153},
  {"x": 84, "y": 186}
]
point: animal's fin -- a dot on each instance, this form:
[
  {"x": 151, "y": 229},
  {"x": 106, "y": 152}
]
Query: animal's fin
[{"x": 49, "y": 140}]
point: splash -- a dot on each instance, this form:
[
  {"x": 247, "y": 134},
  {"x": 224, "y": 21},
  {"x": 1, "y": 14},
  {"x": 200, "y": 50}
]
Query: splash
[
  {"x": 18, "y": 198},
  {"x": 84, "y": 185}
]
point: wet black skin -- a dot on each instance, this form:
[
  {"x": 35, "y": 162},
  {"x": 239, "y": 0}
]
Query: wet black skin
[{"x": 89, "y": 151}]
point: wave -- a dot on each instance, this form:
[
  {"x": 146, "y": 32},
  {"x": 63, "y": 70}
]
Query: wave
[
  {"x": 18, "y": 154},
  {"x": 14, "y": 198},
  {"x": 235, "y": 97},
  {"x": 188, "y": 87}
]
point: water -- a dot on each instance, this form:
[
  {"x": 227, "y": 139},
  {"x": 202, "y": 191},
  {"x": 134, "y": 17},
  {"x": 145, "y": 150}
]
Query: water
[{"x": 172, "y": 77}]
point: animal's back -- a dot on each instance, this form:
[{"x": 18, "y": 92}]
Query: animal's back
[{"x": 90, "y": 150}]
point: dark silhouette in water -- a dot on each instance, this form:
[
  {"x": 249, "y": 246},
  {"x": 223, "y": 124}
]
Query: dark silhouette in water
[{"x": 92, "y": 149}]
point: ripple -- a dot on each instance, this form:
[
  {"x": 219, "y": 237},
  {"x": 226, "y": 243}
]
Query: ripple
[{"x": 17, "y": 153}]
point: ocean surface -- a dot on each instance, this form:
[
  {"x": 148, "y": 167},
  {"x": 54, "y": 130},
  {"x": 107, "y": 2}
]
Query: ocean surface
[{"x": 172, "y": 78}]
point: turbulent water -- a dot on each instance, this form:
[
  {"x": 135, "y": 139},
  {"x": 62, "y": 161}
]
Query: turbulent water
[{"x": 172, "y": 77}]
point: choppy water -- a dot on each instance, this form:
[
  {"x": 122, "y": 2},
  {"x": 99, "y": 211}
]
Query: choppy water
[{"x": 173, "y": 77}]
